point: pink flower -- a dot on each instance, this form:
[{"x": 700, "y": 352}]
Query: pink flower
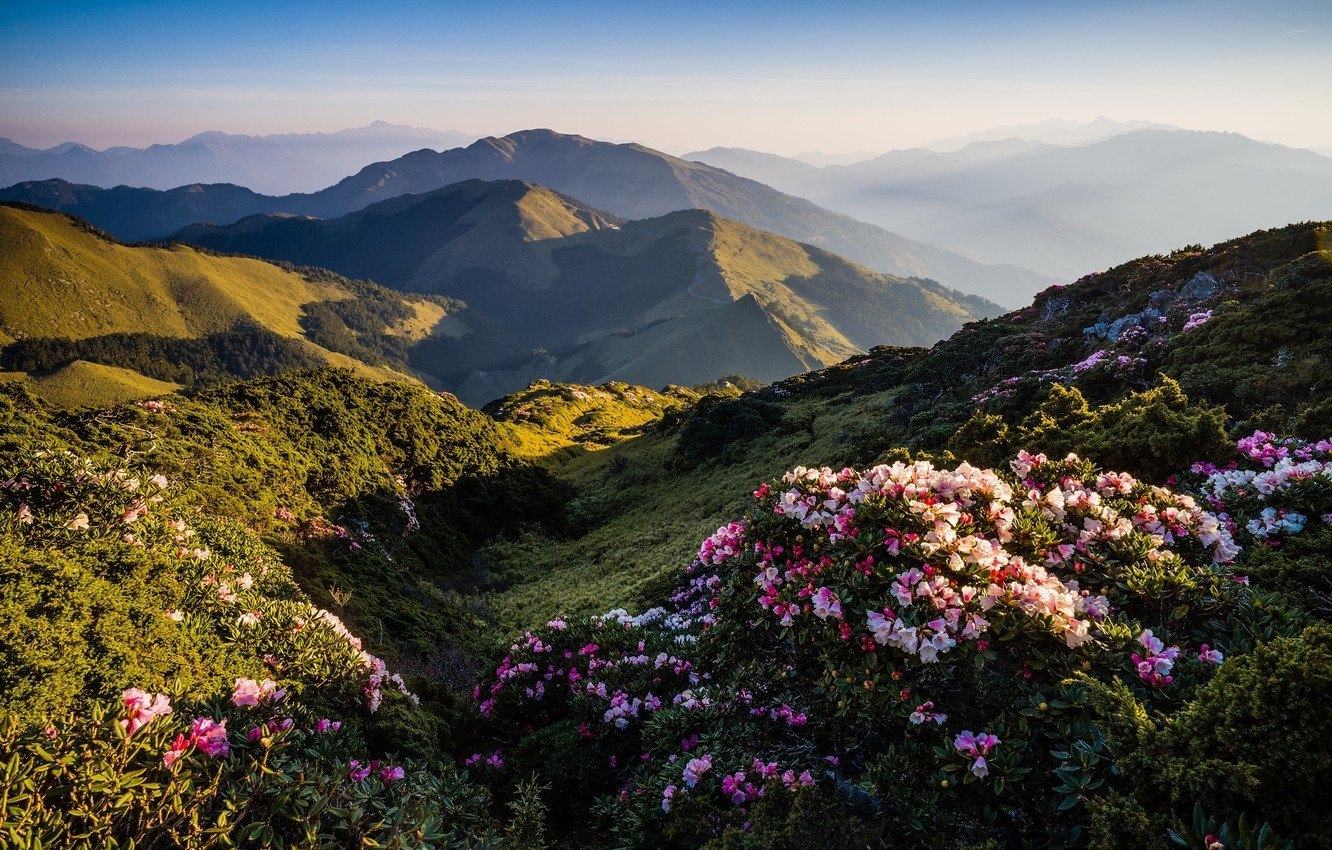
[
  {"x": 391, "y": 773},
  {"x": 1210, "y": 656},
  {"x": 248, "y": 692},
  {"x": 143, "y": 707},
  {"x": 826, "y": 604},
  {"x": 695, "y": 769},
  {"x": 359, "y": 772},
  {"x": 975, "y": 746},
  {"x": 179, "y": 747},
  {"x": 210, "y": 736}
]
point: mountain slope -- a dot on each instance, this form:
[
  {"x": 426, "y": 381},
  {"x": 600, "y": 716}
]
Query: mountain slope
[
  {"x": 177, "y": 314},
  {"x": 275, "y": 164},
  {"x": 139, "y": 214},
  {"x": 610, "y": 301},
  {"x": 627, "y": 180},
  {"x": 634, "y": 181}
]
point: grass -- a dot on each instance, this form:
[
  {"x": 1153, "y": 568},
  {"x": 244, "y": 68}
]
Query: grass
[
  {"x": 68, "y": 282},
  {"x": 83, "y": 384}
]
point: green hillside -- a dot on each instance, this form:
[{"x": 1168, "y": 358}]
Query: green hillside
[
  {"x": 180, "y": 316},
  {"x": 642, "y": 301},
  {"x": 1121, "y": 662},
  {"x": 83, "y": 384}
]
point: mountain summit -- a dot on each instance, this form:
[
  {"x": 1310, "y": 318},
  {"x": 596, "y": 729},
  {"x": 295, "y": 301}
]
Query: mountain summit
[
  {"x": 679, "y": 298},
  {"x": 628, "y": 180}
]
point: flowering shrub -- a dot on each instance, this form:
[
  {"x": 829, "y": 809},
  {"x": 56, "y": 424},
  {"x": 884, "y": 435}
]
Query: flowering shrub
[
  {"x": 85, "y": 780},
  {"x": 217, "y": 732},
  {"x": 1275, "y": 488},
  {"x": 862, "y": 626}
]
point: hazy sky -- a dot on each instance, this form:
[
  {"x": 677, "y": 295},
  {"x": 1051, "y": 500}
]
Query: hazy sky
[{"x": 771, "y": 75}]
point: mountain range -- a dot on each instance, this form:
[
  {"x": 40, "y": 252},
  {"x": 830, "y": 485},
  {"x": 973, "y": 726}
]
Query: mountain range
[
  {"x": 276, "y": 164},
  {"x": 628, "y": 180},
  {"x": 1064, "y": 210},
  {"x": 505, "y": 282},
  {"x": 678, "y": 298}
]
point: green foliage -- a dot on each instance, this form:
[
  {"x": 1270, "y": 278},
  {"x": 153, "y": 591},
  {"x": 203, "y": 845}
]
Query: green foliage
[
  {"x": 1245, "y": 835},
  {"x": 1155, "y": 433},
  {"x": 807, "y": 817},
  {"x": 1299, "y": 564},
  {"x": 1257, "y": 740},
  {"x": 717, "y": 424},
  {"x": 84, "y": 782},
  {"x": 246, "y": 351},
  {"x": 1120, "y": 822}
]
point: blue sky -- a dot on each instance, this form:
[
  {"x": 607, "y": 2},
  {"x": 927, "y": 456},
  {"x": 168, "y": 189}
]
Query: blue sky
[{"x": 777, "y": 76}]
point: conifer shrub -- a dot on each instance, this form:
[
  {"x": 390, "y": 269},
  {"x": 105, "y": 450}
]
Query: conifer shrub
[
  {"x": 1257, "y": 740},
  {"x": 717, "y": 424},
  {"x": 1154, "y": 433}
]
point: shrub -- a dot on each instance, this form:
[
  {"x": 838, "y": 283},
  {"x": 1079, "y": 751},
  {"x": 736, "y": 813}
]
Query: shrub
[{"x": 1258, "y": 740}]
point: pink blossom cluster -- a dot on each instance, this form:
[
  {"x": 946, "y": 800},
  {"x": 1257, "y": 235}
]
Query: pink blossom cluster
[
  {"x": 727, "y": 542},
  {"x": 1196, "y": 320},
  {"x": 1157, "y": 660},
  {"x": 1090, "y": 512},
  {"x": 494, "y": 760},
  {"x": 782, "y": 714},
  {"x": 207, "y": 734},
  {"x": 925, "y": 713},
  {"x": 738, "y": 787},
  {"x": 1266, "y": 500},
  {"x": 143, "y": 708},
  {"x": 249, "y": 692},
  {"x": 975, "y": 747},
  {"x": 388, "y": 773},
  {"x": 630, "y": 664},
  {"x": 959, "y": 524}
]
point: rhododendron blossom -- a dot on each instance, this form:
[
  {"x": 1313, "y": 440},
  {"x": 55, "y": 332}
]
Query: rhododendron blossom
[
  {"x": 143, "y": 708},
  {"x": 249, "y": 692},
  {"x": 976, "y": 746}
]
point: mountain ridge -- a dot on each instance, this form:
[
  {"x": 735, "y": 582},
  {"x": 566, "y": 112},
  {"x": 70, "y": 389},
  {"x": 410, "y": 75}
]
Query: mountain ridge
[
  {"x": 582, "y": 290},
  {"x": 628, "y": 180},
  {"x": 1067, "y": 209},
  {"x": 274, "y": 163}
]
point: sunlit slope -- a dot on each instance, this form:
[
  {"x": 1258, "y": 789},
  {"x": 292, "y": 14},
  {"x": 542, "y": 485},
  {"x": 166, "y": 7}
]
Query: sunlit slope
[
  {"x": 175, "y": 315},
  {"x": 84, "y": 384},
  {"x": 63, "y": 280},
  {"x": 652, "y": 301}
]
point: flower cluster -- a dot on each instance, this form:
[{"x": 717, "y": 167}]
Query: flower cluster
[
  {"x": 249, "y": 692},
  {"x": 1197, "y": 320},
  {"x": 1274, "y": 488},
  {"x": 143, "y": 708},
  {"x": 205, "y": 733},
  {"x": 975, "y": 747},
  {"x": 388, "y": 773},
  {"x": 1157, "y": 660},
  {"x": 924, "y": 556}
]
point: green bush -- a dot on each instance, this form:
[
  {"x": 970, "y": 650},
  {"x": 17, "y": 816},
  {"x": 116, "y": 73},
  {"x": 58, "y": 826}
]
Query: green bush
[{"x": 1258, "y": 740}]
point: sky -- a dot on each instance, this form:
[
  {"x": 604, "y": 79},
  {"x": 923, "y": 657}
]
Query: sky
[{"x": 772, "y": 75}]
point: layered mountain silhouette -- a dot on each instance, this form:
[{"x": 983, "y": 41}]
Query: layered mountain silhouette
[
  {"x": 628, "y": 180},
  {"x": 1065, "y": 210},
  {"x": 276, "y": 164},
  {"x": 557, "y": 289}
]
